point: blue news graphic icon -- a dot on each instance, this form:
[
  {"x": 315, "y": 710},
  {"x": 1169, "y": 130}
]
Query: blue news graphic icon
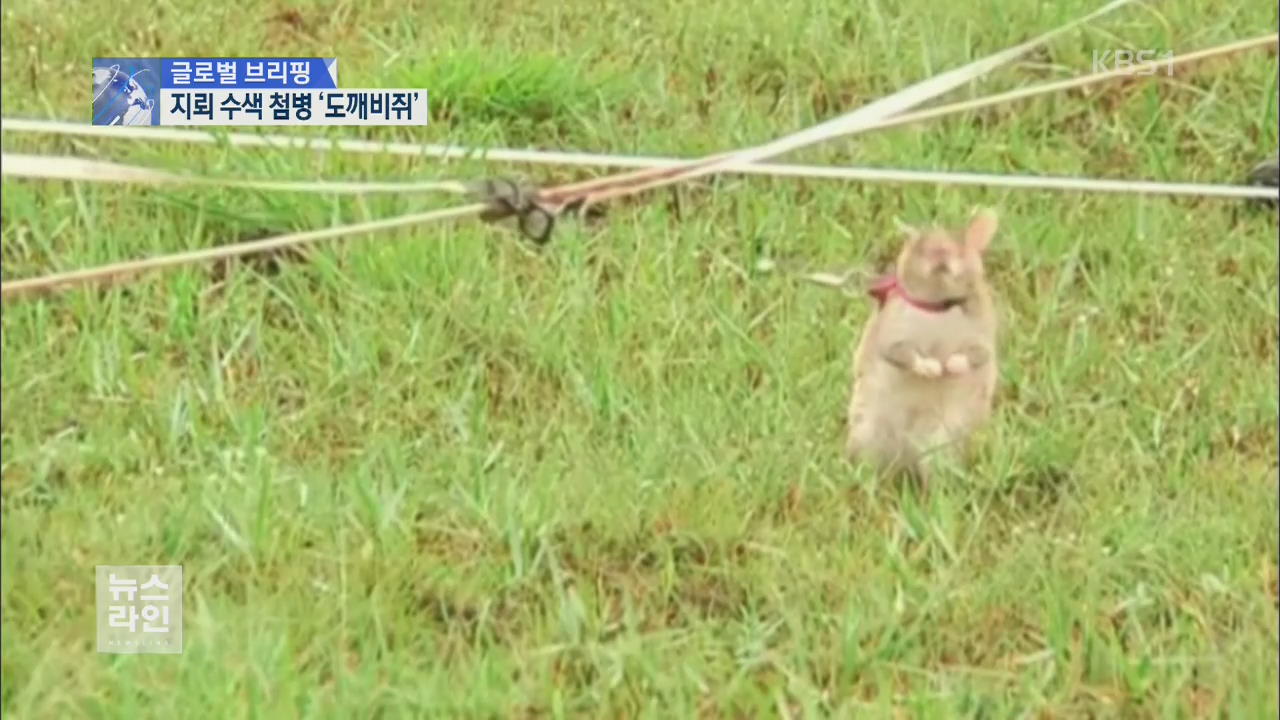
[{"x": 126, "y": 91}]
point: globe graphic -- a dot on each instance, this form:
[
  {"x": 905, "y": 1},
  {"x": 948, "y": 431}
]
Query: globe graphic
[{"x": 118, "y": 99}]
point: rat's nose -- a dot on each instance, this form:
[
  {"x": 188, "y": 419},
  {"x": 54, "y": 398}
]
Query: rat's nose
[{"x": 938, "y": 254}]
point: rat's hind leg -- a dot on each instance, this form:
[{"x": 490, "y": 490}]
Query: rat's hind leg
[{"x": 879, "y": 446}]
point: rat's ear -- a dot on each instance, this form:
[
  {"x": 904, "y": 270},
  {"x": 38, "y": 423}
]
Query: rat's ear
[{"x": 980, "y": 231}]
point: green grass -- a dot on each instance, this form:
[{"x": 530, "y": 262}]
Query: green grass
[{"x": 431, "y": 473}]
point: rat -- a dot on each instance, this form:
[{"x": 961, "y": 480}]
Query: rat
[{"x": 925, "y": 369}]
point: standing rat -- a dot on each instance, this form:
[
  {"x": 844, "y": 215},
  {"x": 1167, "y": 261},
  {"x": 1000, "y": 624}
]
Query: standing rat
[{"x": 924, "y": 373}]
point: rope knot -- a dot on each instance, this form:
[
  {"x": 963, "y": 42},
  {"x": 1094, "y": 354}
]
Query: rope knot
[{"x": 506, "y": 197}]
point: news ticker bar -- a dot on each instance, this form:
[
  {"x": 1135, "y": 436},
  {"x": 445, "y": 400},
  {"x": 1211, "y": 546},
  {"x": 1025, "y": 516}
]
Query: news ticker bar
[{"x": 219, "y": 91}]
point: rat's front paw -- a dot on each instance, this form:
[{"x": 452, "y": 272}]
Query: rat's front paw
[
  {"x": 926, "y": 367},
  {"x": 958, "y": 364}
]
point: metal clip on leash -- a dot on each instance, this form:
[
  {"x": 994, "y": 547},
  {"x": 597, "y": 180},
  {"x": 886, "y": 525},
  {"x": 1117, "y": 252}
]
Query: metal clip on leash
[{"x": 506, "y": 197}]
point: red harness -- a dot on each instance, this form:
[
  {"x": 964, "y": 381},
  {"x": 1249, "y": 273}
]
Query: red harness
[{"x": 887, "y": 285}]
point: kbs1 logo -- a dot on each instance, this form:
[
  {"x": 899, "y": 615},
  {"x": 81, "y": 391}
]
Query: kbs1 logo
[
  {"x": 242, "y": 92},
  {"x": 1142, "y": 62}
]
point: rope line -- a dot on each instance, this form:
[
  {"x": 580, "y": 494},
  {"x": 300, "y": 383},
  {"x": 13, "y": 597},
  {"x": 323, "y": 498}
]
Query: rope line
[
  {"x": 508, "y": 199},
  {"x": 610, "y": 187},
  {"x": 64, "y": 168},
  {"x": 119, "y": 271},
  {"x": 865, "y": 118},
  {"x": 449, "y": 152},
  {"x": 55, "y": 167}
]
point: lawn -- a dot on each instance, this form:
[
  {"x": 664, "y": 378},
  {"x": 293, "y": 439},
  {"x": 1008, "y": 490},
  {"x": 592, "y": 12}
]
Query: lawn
[{"x": 435, "y": 473}]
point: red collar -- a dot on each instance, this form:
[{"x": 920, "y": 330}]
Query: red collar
[{"x": 887, "y": 285}]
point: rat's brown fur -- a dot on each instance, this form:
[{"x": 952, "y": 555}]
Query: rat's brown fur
[{"x": 923, "y": 381}]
